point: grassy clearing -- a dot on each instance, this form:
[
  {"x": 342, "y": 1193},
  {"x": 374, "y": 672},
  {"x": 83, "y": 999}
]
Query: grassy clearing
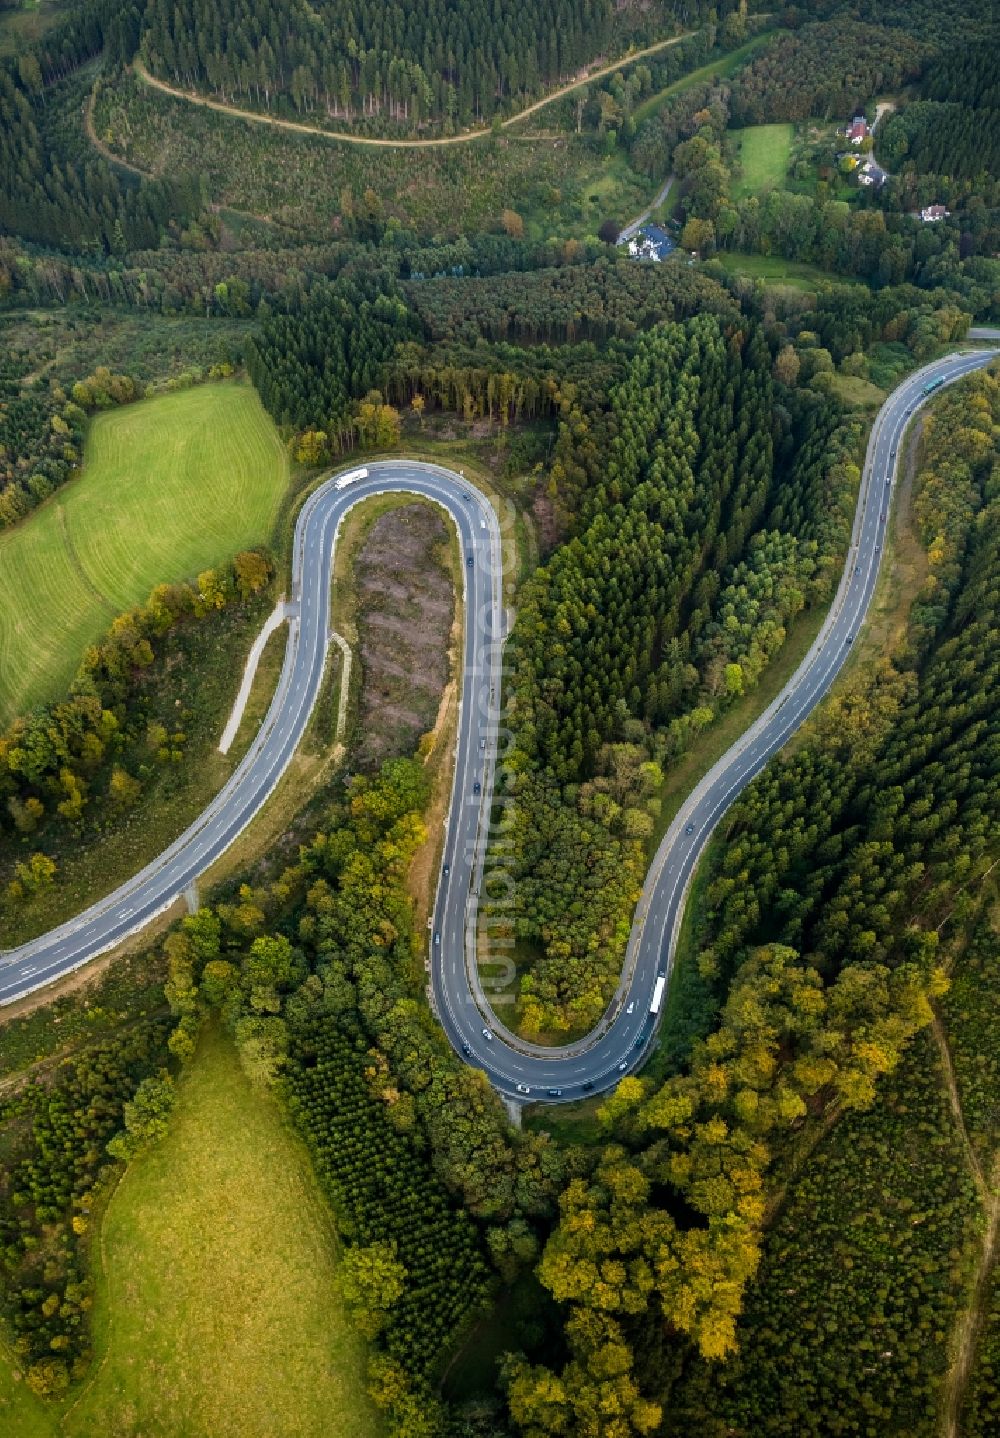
[
  {"x": 763, "y": 152},
  {"x": 856, "y": 392},
  {"x": 796, "y": 273},
  {"x": 218, "y": 1311},
  {"x": 719, "y": 69},
  {"x": 170, "y": 486},
  {"x": 21, "y": 1414},
  {"x": 193, "y": 476}
]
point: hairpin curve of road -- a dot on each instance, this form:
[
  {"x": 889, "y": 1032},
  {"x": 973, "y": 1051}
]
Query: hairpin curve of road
[{"x": 515, "y": 1068}]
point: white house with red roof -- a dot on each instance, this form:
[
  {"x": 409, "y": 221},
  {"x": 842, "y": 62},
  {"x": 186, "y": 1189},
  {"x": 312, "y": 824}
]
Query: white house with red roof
[{"x": 857, "y": 130}]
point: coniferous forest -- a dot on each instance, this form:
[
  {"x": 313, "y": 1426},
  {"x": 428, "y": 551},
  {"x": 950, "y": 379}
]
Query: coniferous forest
[
  {"x": 440, "y": 63},
  {"x": 391, "y": 230}
]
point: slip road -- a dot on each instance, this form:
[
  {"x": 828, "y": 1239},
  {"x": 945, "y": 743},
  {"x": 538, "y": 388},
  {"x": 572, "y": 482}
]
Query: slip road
[{"x": 519, "y": 1070}]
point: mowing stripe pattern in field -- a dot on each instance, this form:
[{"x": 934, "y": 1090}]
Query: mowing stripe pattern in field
[{"x": 170, "y": 486}]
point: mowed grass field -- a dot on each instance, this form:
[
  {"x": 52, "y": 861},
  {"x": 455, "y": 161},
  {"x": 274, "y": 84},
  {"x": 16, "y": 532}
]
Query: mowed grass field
[
  {"x": 764, "y": 152},
  {"x": 169, "y": 486},
  {"x": 773, "y": 269},
  {"x": 218, "y": 1311}
]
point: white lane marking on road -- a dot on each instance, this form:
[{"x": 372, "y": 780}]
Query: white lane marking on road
[{"x": 215, "y": 828}]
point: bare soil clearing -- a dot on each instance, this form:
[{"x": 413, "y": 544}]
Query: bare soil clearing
[{"x": 405, "y": 617}]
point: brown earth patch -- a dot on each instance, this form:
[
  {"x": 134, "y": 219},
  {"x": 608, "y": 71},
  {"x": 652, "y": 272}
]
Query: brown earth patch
[
  {"x": 405, "y": 613},
  {"x": 547, "y": 522}
]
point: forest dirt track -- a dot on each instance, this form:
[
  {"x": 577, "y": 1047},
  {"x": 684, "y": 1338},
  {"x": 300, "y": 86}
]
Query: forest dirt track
[
  {"x": 99, "y": 145},
  {"x": 300, "y": 128},
  {"x": 969, "y": 1323}
]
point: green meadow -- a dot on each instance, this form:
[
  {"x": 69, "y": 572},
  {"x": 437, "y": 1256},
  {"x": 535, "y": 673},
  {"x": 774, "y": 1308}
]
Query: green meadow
[
  {"x": 169, "y": 486},
  {"x": 218, "y": 1311},
  {"x": 763, "y": 152}
]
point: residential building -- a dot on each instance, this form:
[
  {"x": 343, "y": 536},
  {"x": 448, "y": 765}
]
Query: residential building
[
  {"x": 651, "y": 243},
  {"x": 857, "y": 130},
  {"x": 872, "y": 173}
]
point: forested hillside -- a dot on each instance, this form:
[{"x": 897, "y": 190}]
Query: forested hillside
[
  {"x": 436, "y": 61},
  {"x": 680, "y": 583},
  {"x": 444, "y": 339},
  {"x": 827, "y": 69},
  {"x": 952, "y": 130},
  {"x": 67, "y": 196},
  {"x": 822, "y": 952},
  {"x": 667, "y": 602},
  {"x": 429, "y": 60},
  {"x": 781, "y": 1221}
]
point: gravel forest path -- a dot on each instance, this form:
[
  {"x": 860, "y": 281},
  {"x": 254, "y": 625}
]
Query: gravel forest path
[{"x": 299, "y": 127}]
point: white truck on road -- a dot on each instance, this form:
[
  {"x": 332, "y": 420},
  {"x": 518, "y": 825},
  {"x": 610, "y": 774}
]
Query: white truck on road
[{"x": 349, "y": 478}]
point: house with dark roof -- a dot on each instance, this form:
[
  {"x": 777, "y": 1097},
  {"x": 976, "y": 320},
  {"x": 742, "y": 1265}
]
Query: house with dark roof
[
  {"x": 872, "y": 173},
  {"x": 651, "y": 242},
  {"x": 930, "y": 213}
]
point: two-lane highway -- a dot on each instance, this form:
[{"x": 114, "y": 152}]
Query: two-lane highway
[
  {"x": 162, "y": 882},
  {"x": 518, "y": 1069}
]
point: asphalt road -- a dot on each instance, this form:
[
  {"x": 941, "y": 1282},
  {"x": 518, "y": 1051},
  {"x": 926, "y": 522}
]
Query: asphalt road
[
  {"x": 129, "y": 908},
  {"x": 519, "y": 1070}
]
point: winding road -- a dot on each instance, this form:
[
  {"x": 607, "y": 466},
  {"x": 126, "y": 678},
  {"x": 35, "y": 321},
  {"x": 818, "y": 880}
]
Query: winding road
[{"x": 520, "y": 1071}]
